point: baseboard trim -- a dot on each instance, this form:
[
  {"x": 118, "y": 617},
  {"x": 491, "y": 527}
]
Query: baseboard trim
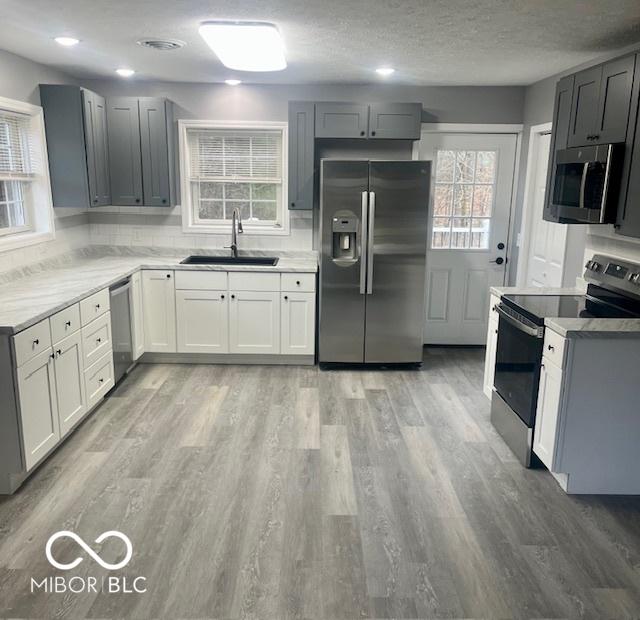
[{"x": 227, "y": 358}]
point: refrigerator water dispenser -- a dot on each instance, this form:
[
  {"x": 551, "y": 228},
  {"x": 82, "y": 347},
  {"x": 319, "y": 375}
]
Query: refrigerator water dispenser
[{"x": 344, "y": 230}]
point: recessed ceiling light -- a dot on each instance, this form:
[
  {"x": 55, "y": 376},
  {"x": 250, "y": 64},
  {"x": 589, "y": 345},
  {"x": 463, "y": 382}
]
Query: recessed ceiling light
[
  {"x": 125, "y": 72},
  {"x": 385, "y": 71},
  {"x": 245, "y": 46},
  {"x": 66, "y": 41},
  {"x": 233, "y": 82}
]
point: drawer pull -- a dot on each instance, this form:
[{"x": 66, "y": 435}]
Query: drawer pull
[
  {"x": 100, "y": 380},
  {"x": 36, "y": 342},
  {"x": 551, "y": 347},
  {"x": 298, "y": 282},
  {"x": 98, "y": 340},
  {"x": 286, "y": 297},
  {"x": 68, "y": 323},
  {"x": 97, "y": 306},
  {"x": 221, "y": 296},
  {"x": 59, "y": 352}
]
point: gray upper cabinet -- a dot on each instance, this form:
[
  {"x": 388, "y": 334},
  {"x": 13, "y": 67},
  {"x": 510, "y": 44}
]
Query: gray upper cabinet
[
  {"x": 602, "y": 103},
  {"x": 76, "y": 129},
  {"x": 301, "y": 154},
  {"x": 125, "y": 162},
  {"x": 156, "y": 135},
  {"x": 559, "y": 137},
  {"x": 342, "y": 120},
  {"x": 395, "y": 121},
  {"x": 141, "y": 147}
]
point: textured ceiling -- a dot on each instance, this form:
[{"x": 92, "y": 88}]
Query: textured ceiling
[{"x": 474, "y": 42}]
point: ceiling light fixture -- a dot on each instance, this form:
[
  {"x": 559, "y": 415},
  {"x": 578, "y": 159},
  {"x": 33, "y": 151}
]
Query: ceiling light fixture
[
  {"x": 125, "y": 72},
  {"x": 385, "y": 71},
  {"x": 245, "y": 46},
  {"x": 66, "y": 41},
  {"x": 233, "y": 82}
]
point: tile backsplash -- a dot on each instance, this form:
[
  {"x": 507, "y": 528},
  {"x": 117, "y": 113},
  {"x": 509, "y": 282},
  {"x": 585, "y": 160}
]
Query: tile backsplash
[
  {"x": 603, "y": 240},
  {"x": 162, "y": 227}
]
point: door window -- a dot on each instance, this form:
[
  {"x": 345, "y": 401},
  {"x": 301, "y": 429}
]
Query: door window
[{"x": 463, "y": 199}]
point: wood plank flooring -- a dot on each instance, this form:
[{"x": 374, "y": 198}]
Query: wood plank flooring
[{"x": 290, "y": 492}]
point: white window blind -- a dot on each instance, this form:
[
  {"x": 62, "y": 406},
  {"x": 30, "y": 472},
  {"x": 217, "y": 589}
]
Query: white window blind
[{"x": 18, "y": 160}]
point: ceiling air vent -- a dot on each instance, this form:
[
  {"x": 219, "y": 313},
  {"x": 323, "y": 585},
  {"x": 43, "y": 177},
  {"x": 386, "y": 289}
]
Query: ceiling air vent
[{"x": 163, "y": 45}]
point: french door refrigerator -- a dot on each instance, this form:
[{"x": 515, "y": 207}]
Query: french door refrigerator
[{"x": 373, "y": 242}]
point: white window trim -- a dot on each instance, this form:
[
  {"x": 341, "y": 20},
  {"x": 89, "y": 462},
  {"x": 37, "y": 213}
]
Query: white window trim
[
  {"x": 41, "y": 209},
  {"x": 188, "y": 223}
]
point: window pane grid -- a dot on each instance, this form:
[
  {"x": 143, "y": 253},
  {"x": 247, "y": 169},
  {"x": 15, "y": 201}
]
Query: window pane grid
[
  {"x": 463, "y": 199},
  {"x": 14, "y": 216}
]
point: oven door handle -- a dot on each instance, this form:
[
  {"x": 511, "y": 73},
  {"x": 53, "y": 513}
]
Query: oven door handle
[
  {"x": 530, "y": 331},
  {"x": 583, "y": 183}
]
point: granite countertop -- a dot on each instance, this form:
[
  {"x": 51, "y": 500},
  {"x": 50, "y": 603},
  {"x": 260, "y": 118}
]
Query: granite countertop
[
  {"x": 576, "y": 327},
  {"x": 30, "y": 299}
]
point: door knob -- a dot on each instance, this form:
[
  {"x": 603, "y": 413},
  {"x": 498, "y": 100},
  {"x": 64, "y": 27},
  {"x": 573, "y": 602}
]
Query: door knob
[{"x": 498, "y": 260}]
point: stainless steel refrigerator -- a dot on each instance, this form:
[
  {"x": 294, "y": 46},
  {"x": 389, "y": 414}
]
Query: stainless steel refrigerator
[{"x": 373, "y": 237}]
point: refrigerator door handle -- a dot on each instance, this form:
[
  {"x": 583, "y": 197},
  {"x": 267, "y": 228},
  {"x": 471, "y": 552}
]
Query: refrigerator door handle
[
  {"x": 363, "y": 244},
  {"x": 372, "y": 217}
]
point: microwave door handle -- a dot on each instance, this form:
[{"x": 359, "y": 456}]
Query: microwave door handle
[
  {"x": 363, "y": 243},
  {"x": 605, "y": 189},
  {"x": 583, "y": 182}
]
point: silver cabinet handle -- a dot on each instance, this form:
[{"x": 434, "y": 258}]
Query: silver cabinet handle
[
  {"x": 372, "y": 217},
  {"x": 363, "y": 245}
]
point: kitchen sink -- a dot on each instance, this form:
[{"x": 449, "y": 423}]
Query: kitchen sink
[{"x": 269, "y": 261}]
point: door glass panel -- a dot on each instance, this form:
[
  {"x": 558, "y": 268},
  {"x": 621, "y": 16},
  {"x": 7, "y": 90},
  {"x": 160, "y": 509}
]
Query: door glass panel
[{"x": 464, "y": 188}]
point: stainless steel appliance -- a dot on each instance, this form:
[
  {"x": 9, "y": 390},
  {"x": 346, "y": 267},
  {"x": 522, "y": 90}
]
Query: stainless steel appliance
[
  {"x": 373, "y": 232},
  {"x": 613, "y": 292},
  {"x": 121, "y": 328},
  {"x": 586, "y": 184}
]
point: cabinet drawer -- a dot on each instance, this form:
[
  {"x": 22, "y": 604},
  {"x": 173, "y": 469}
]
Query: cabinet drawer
[
  {"x": 31, "y": 341},
  {"x": 254, "y": 281},
  {"x": 98, "y": 379},
  {"x": 554, "y": 348},
  {"x": 96, "y": 338},
  {"x": 303, "y": 282},
  {"x": 64, "y": 323},
  {"x": 93, "y": 306},
  {"x": 201, "y": 280}
]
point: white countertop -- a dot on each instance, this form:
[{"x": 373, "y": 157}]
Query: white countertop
[
  {"x": 576, "y": 327},
  {"x": 30, "y": 299}
]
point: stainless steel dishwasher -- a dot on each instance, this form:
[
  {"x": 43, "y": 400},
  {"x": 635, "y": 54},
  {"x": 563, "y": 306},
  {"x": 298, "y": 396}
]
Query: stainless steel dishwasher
[{"x": 121, "y": 328}]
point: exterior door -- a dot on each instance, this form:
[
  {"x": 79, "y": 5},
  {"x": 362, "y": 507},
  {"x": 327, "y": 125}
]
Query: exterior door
[
  {"x": 548, "y": 240},
  {"x": 397, "y": 241},
  {"x": 70, "y": 387},
  {"x": 203, "y": 320},
  {"x": 254, "y": 322},
  {"x": 468, "y": 231}
]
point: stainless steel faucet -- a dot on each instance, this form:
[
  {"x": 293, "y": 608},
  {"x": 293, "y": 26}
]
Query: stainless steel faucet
[{"x": 236, "y": 227}]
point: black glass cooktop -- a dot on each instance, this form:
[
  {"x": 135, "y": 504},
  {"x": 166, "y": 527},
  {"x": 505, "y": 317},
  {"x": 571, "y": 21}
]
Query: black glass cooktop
[{"x": 537, "y": 307}]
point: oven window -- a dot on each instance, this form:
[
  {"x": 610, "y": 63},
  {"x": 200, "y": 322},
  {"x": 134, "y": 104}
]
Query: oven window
[{"x": 518, "y": 358}]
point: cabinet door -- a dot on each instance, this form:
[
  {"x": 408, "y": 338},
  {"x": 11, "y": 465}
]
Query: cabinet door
[
  {"x": 202, "y": 321},
  {"x": 155, "y": 151},
  {"x": 584, "y": 113},
  {"x": 298, "y": 324},
  {"x": 95, "y": 126},
  {"x": 70, "y": 388},
  {"x": 615, "y": 101},
  {"x": 559, "y": 137},
  {"x": 490, "y": 358},
  {"x": 125, "y": 165},
  {"x": 38, "y": 408},
  {"x": 342, "y": 120},
  {"x": 254, "y": 322},
  {"x": 137, "y": 323},
  {"x": 399, "y": 121},
  {"x": 159, "y": 302},
  {"x": 301, "y": 154},
  {"x": 548, "y": 414}
]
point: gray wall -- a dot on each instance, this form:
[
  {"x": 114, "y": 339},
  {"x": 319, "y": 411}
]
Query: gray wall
[{"x": 19, "y": 78}]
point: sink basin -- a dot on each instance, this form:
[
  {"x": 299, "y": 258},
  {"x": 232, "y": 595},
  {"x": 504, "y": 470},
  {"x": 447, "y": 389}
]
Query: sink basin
[{"x": 230, "y": 260}]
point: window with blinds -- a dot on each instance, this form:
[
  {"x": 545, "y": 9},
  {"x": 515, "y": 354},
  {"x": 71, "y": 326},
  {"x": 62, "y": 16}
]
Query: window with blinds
[
  {"x": 235, "y": 169},
  {"x": 18, "y": 168}
]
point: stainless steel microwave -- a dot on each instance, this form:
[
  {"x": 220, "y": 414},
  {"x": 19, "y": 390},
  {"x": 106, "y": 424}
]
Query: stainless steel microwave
[{"x": 586, "y": 184}]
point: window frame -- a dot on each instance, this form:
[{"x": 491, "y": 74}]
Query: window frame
[
  {"x": 191, "y": 222},
  {"x": 38, "y": 208}
]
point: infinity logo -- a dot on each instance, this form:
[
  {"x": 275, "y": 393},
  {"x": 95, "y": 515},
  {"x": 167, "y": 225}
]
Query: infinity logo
[{"x": 89, "y": 550}]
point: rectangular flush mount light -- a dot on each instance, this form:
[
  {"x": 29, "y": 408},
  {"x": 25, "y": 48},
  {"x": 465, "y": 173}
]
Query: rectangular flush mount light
[{"x": 245, "y": 46}]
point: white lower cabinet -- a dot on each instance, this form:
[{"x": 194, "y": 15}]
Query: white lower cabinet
[
  {"x": 70, "y": 388},
  {"x": 137, "y": 323},
  {"x": 159, "y": 301},
  {"x": 202, "y": 321},
  {"x": 492, "y": 342},
  {"x": 548, "y": 413},
  {"x": 254, "y": 322},
  {"x": 99, "y": 379},
  {"x": 297, "y": 325},
  {"x": 38, "y": 407}
]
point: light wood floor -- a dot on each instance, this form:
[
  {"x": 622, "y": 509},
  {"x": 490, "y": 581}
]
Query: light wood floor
[{"x": 290, "y": 492}]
